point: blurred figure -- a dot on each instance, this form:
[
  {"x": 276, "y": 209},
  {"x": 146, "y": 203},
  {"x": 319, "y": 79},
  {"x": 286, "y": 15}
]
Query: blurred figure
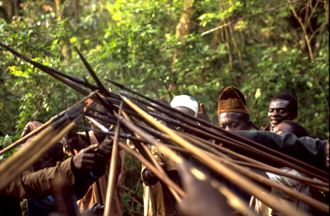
[{"x": 213, "y": 204}]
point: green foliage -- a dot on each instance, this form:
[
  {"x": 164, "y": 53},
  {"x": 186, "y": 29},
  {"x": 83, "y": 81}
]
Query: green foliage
[{"x": 4, "y": 142}]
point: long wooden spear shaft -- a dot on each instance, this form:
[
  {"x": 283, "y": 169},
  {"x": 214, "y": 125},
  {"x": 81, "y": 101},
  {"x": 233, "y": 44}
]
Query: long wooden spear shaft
[
  {"x": 25, "y": 157},
  {"x": 302, "y": 197},
  {"x": 253, "y": 162},
  {"x": 50, "y": 121},
  {"x": 268, "y": 182},
  {"x": 244, "y": 148},
  {"x": 77, "y": 84},
  {"x": 113, "y": 168},
  {"x": 271, "y": 155},
  {"x": 229, "y": 174},
  {"x": 229, "y": 137},
  {"x": 43, "y": 126},
  {"x": 92, "y": 73},
  {"x": 296, "y": 195}
]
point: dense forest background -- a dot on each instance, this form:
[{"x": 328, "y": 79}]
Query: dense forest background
[{"x": 166, "y": 47}]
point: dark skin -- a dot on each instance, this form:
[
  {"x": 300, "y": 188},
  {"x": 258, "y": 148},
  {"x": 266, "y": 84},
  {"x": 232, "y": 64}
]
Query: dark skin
[
  {"x": 94, "y": 157},
  {"x": 186, "y": 110},
  {"x": 232, "y": 121},
  {"x": 214, "y": 204},
  {"x": 278, "y": 111}
]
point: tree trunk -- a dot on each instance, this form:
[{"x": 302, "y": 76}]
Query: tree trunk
[{"x": 183, "y": 28}]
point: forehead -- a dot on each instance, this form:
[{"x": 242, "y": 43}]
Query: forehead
[
  {"x": 278, "y": 103},
  {"x": 186, "y": 110},
  {"x": 230, "y": 117}
]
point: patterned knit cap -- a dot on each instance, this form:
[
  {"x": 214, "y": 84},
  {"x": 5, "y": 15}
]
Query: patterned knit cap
[{"x": 232, "y": 100}]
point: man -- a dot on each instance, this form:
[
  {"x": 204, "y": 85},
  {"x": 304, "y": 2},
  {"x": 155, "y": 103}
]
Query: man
[
  {"x": 233, "y": 113},
  {"x": 281, "y": 107},
  {"x": 186, "y": 104},
  {"x": 157, "y": 198},
  {"x": 39, "y": 184},
  {"x": 96, "y": 193}
]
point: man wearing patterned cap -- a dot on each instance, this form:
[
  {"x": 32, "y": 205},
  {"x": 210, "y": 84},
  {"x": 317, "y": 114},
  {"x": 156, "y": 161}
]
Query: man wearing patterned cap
[{"x": 233, "y": 113}]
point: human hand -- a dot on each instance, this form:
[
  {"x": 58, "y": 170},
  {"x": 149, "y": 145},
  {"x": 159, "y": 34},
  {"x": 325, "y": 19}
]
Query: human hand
[
  {"x": 103, "y": 156},
  {"x": 148, "y": 177},
  {"x": 106, "y": 147},
  {"x": 85, "y": 159}
]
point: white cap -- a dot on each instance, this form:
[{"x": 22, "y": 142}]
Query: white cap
[{"x": 185, "y": 101}]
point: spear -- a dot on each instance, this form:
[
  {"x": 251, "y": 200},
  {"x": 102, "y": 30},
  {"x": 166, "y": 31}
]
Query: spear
[
  {"x": 91, "y": 72},
  {"x": 46, "y": 124},
  {"x": 77, "y": 84},
  {"x": 112, "y": 169}
]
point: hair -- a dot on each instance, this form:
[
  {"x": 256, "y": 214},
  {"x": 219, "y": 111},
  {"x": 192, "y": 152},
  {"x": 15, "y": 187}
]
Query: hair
[
  {"x": 293, "y": 104},
  {"x": 297, "y": 129}
]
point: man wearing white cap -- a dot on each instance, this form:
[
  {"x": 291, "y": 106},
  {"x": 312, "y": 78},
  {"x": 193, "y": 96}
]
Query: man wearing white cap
[
  {"x": 157, "y": 198},
  {"x": 186, "y": 104}
]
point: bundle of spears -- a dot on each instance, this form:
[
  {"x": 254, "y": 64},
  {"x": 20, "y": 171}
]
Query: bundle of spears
[{"x": 143, "y": 122}]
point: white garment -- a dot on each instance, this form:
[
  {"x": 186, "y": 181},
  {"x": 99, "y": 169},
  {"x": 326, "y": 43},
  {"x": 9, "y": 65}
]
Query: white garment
[
  {"x": 264, "y": 210},
  {"x": 293, "y": 184}
]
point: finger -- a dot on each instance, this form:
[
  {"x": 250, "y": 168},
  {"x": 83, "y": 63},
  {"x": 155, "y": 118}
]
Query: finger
[
  {"x": 88, "y": 156},
  {"x": 90, "y": 148},
  {"x": 88, "y": 163}
]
